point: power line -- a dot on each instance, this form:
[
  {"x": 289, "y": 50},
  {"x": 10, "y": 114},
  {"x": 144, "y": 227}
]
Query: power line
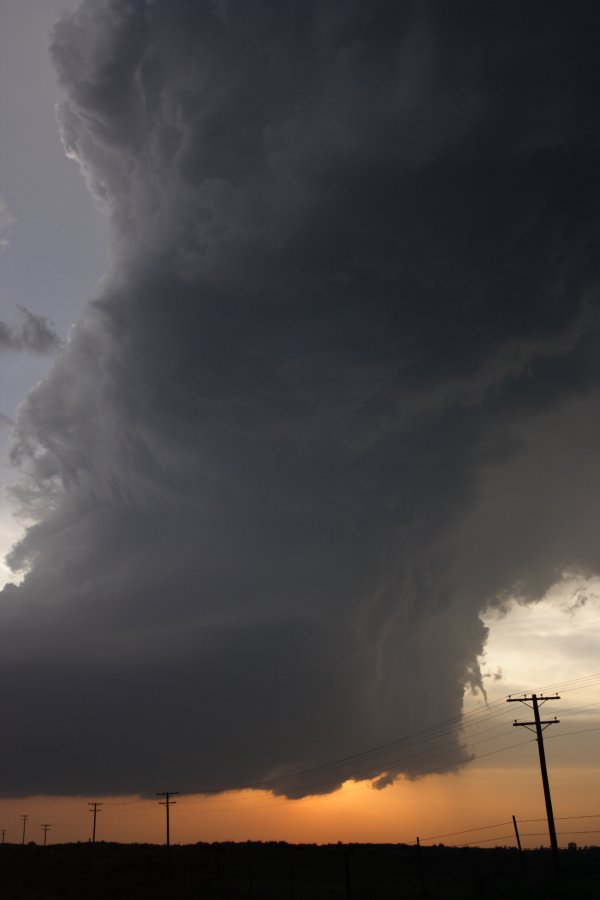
[
  {"x": 585, "y": 831},
  {"x": 434, "y": 837},
  {"x": 237, "y": 808},
  {"x": 571, "y": 685},
  {"x": 135, "y": 815},
  {"x": 564, "y": 818},
  {"x": 396, "y": 747},
  {"x": 476, "y": 828},
  {"x": 572, "y": 710},
  {"x": 567, "y": 733},
  {"x": 501, "y": 837},
  {"x": 125, "y": 802},
  {"x": 436, "y": 731},
  {"x": 428, "y": 771},
  {"x": 424, "y": 735}
]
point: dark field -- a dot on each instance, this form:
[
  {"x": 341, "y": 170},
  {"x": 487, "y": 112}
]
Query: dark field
[{"x": 289, "y": 872}]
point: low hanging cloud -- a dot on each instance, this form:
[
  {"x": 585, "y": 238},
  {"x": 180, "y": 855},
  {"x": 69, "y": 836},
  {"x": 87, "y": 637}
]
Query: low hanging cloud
[
  {"x": 337, "y": 395},
  {"x": 35, "y": 334}
]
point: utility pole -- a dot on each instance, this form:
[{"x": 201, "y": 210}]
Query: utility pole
[
  {"x": 24, "y": 823},
  {"x": 45, "y": 830},
  {"x": 167, "y": 803},
  {"x": 94, "y": 808},
  {"x": 3, "y": 832},
  {"x": 534, "y": 702}
]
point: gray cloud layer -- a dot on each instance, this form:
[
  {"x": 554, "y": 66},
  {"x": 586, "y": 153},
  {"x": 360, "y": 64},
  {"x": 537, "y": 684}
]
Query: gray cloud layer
[
  {"x": 337, "y": 394},
  {"x": 35, "y": 334}
]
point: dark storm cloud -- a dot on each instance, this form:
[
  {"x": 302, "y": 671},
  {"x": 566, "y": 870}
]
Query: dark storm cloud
[
  {"x": 35, "y": 334},
  {"x": 337, "y": 394}
]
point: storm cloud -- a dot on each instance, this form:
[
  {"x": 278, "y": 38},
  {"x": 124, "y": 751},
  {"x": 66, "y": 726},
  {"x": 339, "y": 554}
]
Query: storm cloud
[{"x": 336, "y": 396}]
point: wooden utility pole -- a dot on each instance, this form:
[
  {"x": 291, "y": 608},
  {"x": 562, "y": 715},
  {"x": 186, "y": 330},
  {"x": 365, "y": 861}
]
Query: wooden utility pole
[
  {"x": 3, "y": 832},
  {"x": 94, "y": 808},
  {"x": 167, "y": 803},
  {"x": 45, "y": 830},
  {"x": 534, "y": 702},
  {"x": 24, "y": 818}
]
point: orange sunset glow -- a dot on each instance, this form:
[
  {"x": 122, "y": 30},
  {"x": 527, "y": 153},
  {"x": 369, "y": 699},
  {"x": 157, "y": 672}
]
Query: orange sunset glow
[{"x": 433, "y": 808}]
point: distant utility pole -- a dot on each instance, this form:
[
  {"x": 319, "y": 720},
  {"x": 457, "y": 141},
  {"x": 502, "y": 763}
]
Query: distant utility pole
[
  {"x": 534, "y": 702},
  {"x": 521, "y": 860},
  {"x": 94, "y": 808},
  {"x": 3, "y": 832},
  {"x": 24, "y": 823},
  {"x": 167, "y": 803},
  {"x": 45, "y": 830}
]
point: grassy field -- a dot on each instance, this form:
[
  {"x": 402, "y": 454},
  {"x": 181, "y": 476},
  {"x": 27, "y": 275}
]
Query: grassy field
[{"x": 274, "y": 871}]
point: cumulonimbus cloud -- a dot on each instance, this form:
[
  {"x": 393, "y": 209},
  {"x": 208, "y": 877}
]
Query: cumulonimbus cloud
[{"x": 336, "y": 396}]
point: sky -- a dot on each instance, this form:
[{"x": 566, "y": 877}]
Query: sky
[
  {"x": 52, "y": 236},
  {"x": 299, "y": 387}
]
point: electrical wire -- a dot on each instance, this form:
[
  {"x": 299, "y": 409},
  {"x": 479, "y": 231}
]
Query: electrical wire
[
  {"x": 567, "y": 733},
  {"x": 434, "y": 837},
  {"x": 434, "y": 731},
  {"x": 422, "y": 773},
  {"x": 396, "y": 748},
  {"x": 371, "y": 758},
  {"x": 425, "y": 735}
]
